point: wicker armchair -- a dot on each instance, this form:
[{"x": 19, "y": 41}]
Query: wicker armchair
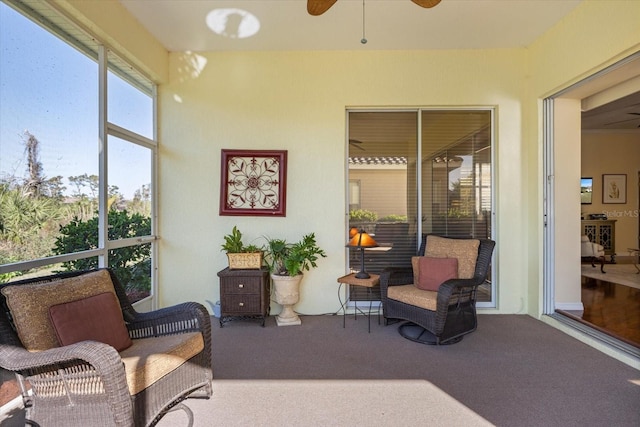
[
  {"x": 452, "y": 312},
  {"x": 88, "y": 383}
]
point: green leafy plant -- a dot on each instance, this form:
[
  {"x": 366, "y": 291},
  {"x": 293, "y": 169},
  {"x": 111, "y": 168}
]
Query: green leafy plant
[
  {"x": 233, "y": 243},
  {"x": 291, "y": 259},
  {"x": 362, "y": 215},
  {"x": 5, "y": 277},
  {"x": 394, "y": 218}
]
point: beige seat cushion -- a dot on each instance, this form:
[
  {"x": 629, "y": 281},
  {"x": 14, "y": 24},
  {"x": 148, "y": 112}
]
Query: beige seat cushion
[
  {"x": 465, "y": 250},
  {"x": 29, "y": 305},
  {"x": 411, "y": 295},
  {"x": 150, "y": 359}
]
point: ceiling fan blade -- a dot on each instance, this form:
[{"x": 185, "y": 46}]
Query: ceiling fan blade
[
  {"x": 318, "y": 7},
  {"x": 354, "y": 143},
  {"x": 426, "y": 3},
  {"x": 621, "y": 121}
]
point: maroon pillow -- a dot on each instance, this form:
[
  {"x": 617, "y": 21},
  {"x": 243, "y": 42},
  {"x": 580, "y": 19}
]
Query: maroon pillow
[
  {"x": 96, "y": 318},
  {"x": 433, "y": 272}
]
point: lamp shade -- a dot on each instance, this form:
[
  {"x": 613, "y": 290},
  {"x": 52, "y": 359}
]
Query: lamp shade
[{"x": 362, "y": 240}]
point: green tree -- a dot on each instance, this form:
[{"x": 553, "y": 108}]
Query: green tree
[
  {"x": 36, "y": 178},
  {"x": 141, "y": 202},
  {"x": 54, "y": 187},
  {"x": 84, "y": 182},
  {"x": 25, "y": 223},
  {"x": 131, "y": 264}
]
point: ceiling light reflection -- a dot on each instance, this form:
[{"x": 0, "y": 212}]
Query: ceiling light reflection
[{"x": 233, "y": 23}]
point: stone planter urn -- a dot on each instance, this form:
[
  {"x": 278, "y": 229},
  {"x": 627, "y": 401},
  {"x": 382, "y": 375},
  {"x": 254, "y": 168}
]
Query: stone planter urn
[{"x": 287, "y": 294}]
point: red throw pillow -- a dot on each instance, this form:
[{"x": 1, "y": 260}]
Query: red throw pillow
[
  {"x": 433, "y": 272},
  {"x": 96, "y": 318}
]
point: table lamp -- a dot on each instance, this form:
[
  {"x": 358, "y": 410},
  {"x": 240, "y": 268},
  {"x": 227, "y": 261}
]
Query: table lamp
[{"x": 361, "y": 240}]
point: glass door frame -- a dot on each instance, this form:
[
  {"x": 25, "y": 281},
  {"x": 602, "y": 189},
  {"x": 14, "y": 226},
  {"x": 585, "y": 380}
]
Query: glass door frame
[{"x": 493, "y": 303}]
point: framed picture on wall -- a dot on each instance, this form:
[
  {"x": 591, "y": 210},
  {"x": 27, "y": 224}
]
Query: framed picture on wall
[
  {"x": 614, "y": 188},
  {"x": 253, "y": 182},
  {"x": 586, "y": 190}
]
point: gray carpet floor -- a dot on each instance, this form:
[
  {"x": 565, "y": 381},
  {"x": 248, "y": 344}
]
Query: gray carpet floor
[{"x": 513, "y": 371}]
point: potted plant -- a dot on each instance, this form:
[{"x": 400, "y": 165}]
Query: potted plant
[
  {"x": 241, "y": 256},
  {"x": 287, "y": 262}
]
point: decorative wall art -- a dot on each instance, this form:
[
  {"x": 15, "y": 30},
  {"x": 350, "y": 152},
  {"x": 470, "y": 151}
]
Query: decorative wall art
[
  {"x": 253, "y": 182},
  {"x": 614, "y": 188}
]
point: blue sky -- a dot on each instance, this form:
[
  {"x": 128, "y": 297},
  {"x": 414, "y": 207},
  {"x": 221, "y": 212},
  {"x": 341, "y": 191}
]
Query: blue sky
[{"x": 51, "y": 90}]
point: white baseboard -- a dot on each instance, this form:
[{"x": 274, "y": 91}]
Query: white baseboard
[{"x": 570, "y": 306}]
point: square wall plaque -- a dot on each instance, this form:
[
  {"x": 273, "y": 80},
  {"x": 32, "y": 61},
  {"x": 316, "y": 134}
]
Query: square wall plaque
[{"x": 253, "y": 182}]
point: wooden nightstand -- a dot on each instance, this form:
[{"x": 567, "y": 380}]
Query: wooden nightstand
[{"x": 244, "y": 294}]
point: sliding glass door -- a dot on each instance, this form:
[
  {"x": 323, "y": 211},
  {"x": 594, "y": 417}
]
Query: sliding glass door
[{"x": 397, "y": 198}]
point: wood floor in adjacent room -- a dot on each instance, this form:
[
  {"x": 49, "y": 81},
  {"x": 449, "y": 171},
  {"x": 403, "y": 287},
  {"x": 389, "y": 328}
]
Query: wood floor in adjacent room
[{"x": 612, "y": 308}]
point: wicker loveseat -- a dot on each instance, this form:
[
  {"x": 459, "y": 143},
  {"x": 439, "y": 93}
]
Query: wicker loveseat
[
  {"x": 447, "y": 313},
  {"x": 164, "y": 357}
]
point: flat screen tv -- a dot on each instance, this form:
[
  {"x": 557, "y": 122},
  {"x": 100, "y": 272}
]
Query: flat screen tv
[{"x": 586, "y": 190}]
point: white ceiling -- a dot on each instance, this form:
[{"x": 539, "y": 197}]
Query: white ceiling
[
  {"x": 623, "y": 113},
  {"x": 182, "y": 25}
]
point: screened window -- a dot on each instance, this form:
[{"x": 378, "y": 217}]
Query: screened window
[
  {"x": 129, "y": 178},
  {"x": 130, "y": 98},
  {"x": 58, "y": 210},
  {"x": 46, "y": 164}
]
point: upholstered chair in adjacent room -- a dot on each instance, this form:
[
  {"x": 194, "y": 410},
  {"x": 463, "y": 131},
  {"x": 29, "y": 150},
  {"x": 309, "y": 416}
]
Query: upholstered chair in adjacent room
[{"x": 591, "y": 252}]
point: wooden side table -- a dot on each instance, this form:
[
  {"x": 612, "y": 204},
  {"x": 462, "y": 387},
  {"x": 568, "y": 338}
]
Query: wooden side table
[
  {"x": 244, "y": 294},
  {"x": 370, "y": 283}
]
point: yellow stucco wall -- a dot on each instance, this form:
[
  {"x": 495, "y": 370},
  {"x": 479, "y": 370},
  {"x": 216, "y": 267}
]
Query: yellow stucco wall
[
  {"x": 595, "y": 35},
  {"x": 297, "y": 100},
  {"x": 566, "y": 185},
  {"x": 614, "y": 153}
]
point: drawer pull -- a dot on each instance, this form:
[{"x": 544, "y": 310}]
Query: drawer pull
[
  {"x": 241, "y": 285},
  {"x": 241, "y": 304}
]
